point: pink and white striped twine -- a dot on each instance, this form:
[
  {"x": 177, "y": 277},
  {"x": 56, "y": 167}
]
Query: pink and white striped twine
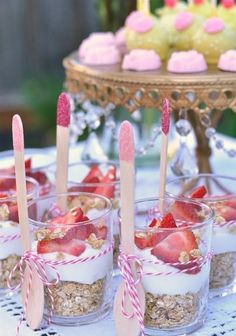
[
  {"x": 31, "y": 259},
  {"x": 124, "y": 263}
]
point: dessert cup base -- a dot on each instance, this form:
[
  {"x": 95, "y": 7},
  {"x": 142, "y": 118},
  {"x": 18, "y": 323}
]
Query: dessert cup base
[
  {"x": 7, "y": 293},
  {"x": 222, "y": 292},
  {"x": 83, "y": 319},
  {"x": 177, "y": 331}
]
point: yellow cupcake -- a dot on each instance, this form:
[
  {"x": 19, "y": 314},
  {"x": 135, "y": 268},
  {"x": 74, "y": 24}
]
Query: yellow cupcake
[
  {"x": 227, "y": 12},
  {"x": 213, "y": 39},
  {"x": 185, "y": 26},
  {"x": 146, "y": 32},
  {"x": 203, "y": 8}
]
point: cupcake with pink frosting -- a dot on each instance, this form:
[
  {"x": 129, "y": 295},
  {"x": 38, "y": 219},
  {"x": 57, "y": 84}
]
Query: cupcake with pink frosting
[
  {"x": 120, "y": 40},
  {"x": 185, "y": 26},
  {"x": 227, "y": 61},
  {"x": 141, "y": 60},
  {"x": 186, "y": 62},
  {"x": 145, "y": 31},
  {"x": 213, "y": 39},
  {"x": 94, "y": 40},
  {"x": 102, "y": 55}
]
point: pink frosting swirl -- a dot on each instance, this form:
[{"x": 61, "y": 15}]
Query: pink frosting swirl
[
  {"x": 186, "y": 62},
  {"x": 183, "y": 20},
  {"x": 141, "y": 60},
  {"x": 139, "y": 22},
  {"x": 213, "y": 25}
]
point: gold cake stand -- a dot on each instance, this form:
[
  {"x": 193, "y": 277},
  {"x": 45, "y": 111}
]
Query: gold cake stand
[{"x": 201, "y": 95}]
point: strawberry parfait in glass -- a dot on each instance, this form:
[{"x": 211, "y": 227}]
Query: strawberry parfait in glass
[
  {"x": 219, "y": 192},
  {"x": 102, "y": 179},
  {"x": 80, "y": 248},
  {"x": 10, "y": 239},
  {"x": 175, "y": 255},
  {"x": 37, "y": 164}
]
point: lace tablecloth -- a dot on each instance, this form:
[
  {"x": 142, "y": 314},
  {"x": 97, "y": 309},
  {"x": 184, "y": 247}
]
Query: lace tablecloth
[{"x": 221, "y": 320}]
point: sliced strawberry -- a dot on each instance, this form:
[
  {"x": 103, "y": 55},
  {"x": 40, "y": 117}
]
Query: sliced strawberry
[
  {"x": 153, "y": 223},
  {"x": 28, "y": 165},
  {"x": 39, "y": 176},
  {"x": 150, "y": 239},
  {"x": 94, "y": 172},
  {"x": 185, "y": 211},
  {"x": 4, "y": 195},
  {"x": 168, "y": 221},
  {"x": 169, "y": 250},
  {"x": 231, "y": 202},
  {"x": 227, "y": 212},
  {"x": 13, "y": 213},
  {"x": 75, "y": 215},
  {"x": 7, "y": 184},
  {"x": 199, "y": 192},
  {"x": 74, "y": 247},
  {"x": 107, "y": 187}
]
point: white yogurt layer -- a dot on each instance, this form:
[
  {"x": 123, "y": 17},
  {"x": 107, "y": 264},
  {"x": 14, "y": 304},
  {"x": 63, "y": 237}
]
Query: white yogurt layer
[
  {"x": 87, "y": 272},
  {"x": 181, "y": 283},
  {"x": 8, "y": 228},
  {"x": 224, "y": 240}
]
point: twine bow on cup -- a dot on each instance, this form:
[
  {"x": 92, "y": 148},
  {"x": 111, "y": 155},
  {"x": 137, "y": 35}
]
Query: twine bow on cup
[
  {"x": 125, "y": 262},
  {"x": 32, "y": 260}
]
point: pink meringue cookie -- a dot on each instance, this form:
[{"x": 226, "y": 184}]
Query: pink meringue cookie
[
  {"x": 183, "y": 20},
  {"x": 213, "y": 25},
  {"x": 102, "y": 55},
  {"x": 120, "y": 40},
  {"x": 96, "y": 39},
  {"x": 141, "y": 60},
  {"x": 139, "y": 22},
  {"x": 186, "y": 62},
  {"x": 227, "y": 61}
]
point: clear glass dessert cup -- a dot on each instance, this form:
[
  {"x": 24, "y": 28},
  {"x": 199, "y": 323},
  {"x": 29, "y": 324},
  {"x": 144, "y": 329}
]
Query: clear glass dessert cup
[
  {"x": 221, "y": 197},
  {"x": 80, "y": 245},
  {"x": 10, "y": 240},
  {"x": 93, "y": 177},
  {"x": 176, "y": 264},
  {"x": 37, "y": 163}
]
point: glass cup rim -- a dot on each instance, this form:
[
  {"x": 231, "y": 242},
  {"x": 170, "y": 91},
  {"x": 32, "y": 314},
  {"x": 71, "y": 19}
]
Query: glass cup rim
[
  {"x": 27, "y": 151},
  {"x": 198, "y": 225},
  {"x": 206, "y": 198},
  {"x": 42, "y": 198},
  {"x": 27, "y": 179}
]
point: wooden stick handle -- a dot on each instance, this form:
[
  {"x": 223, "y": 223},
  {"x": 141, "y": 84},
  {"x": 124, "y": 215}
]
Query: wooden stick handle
[{"x": 22, "y": 201}]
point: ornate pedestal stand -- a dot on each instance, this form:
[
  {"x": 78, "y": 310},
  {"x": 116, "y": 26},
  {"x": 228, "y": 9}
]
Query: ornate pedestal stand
[{"x": 204, "y": 95}]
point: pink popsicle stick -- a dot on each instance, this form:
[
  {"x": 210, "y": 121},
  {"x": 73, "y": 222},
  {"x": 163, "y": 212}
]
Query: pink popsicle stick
[
  {"x": 165, "y": 124},
  {"x": 63, "y": 122},
  {"x": 125, "y": 326},
  {"x": 35, "y": 297}
]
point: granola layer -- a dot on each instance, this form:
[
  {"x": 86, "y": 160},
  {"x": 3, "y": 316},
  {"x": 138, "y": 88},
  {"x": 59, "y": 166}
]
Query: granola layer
[
  {"x": 222, "y": 270},
  {"x": 168, "y": 311},
  {"x": 116, "y": 250},
  {"x": 6, "y": 266},
  {"x": 76, "y": 299}
]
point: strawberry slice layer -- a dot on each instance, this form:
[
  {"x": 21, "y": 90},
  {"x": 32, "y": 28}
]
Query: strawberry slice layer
[
  {"x": 227, "y": 212},
  {"x": 168, "y": 221},
  {"x": 185, "y": 211},
  {"x": 199, "y": 192},
  {"x": 107, "y": 187},
  {"x": 174, "y": 246},
  {"x": 74, "y": 247},
  {"x": 94, "y": 173}
]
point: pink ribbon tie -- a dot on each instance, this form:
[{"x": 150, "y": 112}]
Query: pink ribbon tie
[{"x": 125, "y": 262}]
